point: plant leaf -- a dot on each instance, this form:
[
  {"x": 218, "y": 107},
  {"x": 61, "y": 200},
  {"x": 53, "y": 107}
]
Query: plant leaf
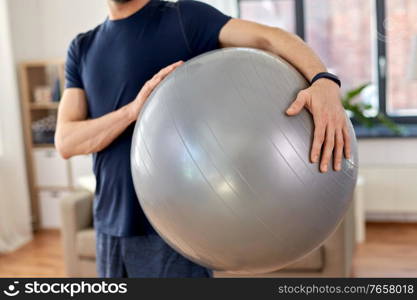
[
  {"x": 352, "y": 94},
  {"x": 358, "y": 109}
]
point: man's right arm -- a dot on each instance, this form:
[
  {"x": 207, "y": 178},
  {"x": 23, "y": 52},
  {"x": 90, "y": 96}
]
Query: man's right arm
[{"x": 76, "y": 135}]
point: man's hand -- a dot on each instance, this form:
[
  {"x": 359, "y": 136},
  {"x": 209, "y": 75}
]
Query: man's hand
[
  {"x": 331, "y": 131},
  {"x": 136, "y": 105},
  {"x": 76, "y": 134},
  {"x": 322, "y": 99}
]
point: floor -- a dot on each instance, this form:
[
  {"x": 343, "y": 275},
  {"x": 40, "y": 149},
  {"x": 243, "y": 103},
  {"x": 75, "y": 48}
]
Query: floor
[
  {"x": 390, "y": 251},
  {"x": 42, "y": 257}
]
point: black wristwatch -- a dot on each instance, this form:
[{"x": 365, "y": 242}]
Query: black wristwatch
[{"x": 328, "y": 76}]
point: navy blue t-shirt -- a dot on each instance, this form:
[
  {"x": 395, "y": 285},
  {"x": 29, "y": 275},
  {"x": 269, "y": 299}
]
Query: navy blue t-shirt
[{"x": 111, "y": 63}]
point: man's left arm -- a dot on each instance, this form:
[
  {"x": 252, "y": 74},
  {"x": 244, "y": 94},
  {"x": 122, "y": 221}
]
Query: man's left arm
[{"x": 322, "y": 99}]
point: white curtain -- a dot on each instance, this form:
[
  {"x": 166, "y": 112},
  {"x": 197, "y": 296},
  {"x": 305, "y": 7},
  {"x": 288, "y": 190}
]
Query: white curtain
[
  {"x": 228, "y": 7},
  {"x": 15, "y": 222}
]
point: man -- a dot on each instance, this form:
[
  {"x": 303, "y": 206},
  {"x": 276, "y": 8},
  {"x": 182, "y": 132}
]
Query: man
[{"x": 109, "y": 73}]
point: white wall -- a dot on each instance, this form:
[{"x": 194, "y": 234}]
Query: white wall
[
  {"x": 15, "y": 222},
  {"x": 228, "y": 7},
  {"x": 389, "y": 168},
  {"x": 44, "y": 28}
]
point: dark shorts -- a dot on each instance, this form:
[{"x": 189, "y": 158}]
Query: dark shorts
[{"x": 142, "y": 256}]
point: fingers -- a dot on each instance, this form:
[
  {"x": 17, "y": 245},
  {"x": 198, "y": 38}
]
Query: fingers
[
  {"x": 318, "y": 140},
  {"x": 330, "y": 142},
  {"x": 298, "y": 104},
  {"x": 337, "y": 141},
  {"x": 338, "y": 152},
  {"x": 331, "y": 132},
  {"x": 328, "y": 149},
  {"x": 147, "y": 89},
  {"x": 151, "y": 84},
  {"x": 167, "y": 70},
  {"x": 347, "y": 139}
]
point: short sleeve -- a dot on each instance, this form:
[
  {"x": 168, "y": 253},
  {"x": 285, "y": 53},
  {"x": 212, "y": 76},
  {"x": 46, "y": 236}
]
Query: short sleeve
[
  {"x": 202, "y": 24},
  {"x": 72, "y": 65}
]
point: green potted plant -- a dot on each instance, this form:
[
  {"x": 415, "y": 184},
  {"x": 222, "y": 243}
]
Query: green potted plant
[{"x": 358, "y": 111}]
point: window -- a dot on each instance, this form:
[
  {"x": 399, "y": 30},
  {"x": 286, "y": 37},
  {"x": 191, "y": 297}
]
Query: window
[
  {"x": 400, "y": 28},
  {"x": 363, "y": 41},
  {"x": 273, "y": 13},
  {"x": 345, "y": 49}
]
